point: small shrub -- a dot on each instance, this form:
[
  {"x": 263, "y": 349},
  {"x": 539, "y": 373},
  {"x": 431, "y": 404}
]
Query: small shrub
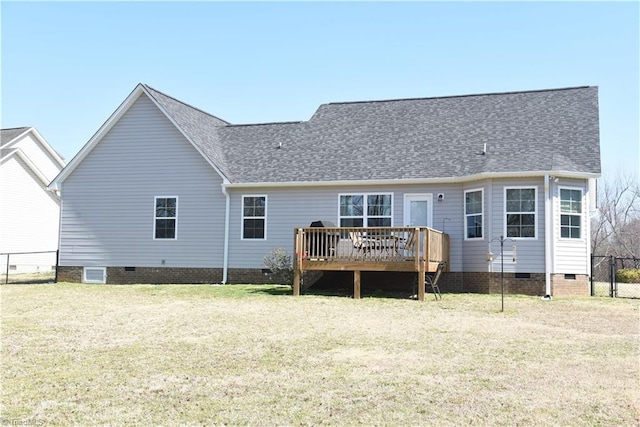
[
  {"x": 281, "y": 265},
  {"x": 628, "y": 275}
]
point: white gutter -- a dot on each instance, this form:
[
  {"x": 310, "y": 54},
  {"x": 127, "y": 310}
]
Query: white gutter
[
  {"x": 225, "y": 256},
  {"x": 422, "y": 181},
  {"x": 548, "y": 234}
]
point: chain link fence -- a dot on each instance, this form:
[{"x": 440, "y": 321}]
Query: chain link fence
[
  {"x": 28, "y": 267},
  {"x": 607, "y": 278}
]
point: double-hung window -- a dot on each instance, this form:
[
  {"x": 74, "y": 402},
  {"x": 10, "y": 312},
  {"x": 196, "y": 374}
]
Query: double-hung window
[
  {"x": 520, "y": 212},
  {"x": 165, "y": 224},
  {"x": 570, "y": 213},
  {"x": 254, "y": 215},
  {"x": 473, "y": 213},
  {"x": 365, "y": 210}
]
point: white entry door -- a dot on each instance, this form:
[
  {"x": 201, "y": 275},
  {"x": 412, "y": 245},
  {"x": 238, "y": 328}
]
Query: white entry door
[{"x": 418, "y": 210}]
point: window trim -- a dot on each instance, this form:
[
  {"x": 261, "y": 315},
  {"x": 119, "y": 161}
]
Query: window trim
[
  {"x": 466, "y": 215},
  {"x": 155, "y": 218},
  {"x": 242, "y": 218},
  {"x": 104, "y": 275},
  {"x": 580, "y": 215},
  {"x": 365, "y": 206},
  {"x": 535, "y": 211}
]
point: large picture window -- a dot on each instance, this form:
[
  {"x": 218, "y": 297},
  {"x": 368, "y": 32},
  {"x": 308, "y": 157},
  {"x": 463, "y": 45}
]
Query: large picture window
[
  {"x": 570, "y": 213},
  {"x": 254, "y": 214},
  {"x": 165, "y": 224},
  {"x": 365, "y": 210},
  {"x": 473, "y": 211},
  {"x": 520, "y": 215}
]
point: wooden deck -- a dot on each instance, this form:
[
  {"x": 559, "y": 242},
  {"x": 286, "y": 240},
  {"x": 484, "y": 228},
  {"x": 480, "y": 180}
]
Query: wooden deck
[{"x": 417, "y": 249}]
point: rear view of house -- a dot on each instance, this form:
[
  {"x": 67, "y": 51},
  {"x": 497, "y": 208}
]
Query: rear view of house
[
  {"x": 167, "y": 193},
  {"x": 29, "y": 213}
]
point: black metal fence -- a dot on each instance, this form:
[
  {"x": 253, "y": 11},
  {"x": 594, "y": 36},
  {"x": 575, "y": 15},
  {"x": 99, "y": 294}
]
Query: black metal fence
[
  {"x": 604, "y": 269},
  {"x": 29, "y": 267}
]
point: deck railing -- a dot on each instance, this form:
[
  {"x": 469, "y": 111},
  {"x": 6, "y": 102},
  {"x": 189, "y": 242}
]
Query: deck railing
[
  {"x": 418, "y": 249},
  {"x": 373, "y": 244}
]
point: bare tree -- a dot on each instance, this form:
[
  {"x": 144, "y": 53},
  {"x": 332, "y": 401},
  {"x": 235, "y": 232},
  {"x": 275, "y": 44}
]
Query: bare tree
[{"x": 615, "y": 229}]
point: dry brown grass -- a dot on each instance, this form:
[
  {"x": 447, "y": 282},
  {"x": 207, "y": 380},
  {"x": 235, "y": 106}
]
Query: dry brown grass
[
  {"x": 28, "y": 278},
  {"x": 202, "y": 355}
]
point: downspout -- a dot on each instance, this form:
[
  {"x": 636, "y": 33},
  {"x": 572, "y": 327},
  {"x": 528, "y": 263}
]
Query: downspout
[
  {"x": 225, "y": 254},
  {"x": 548, "y": 235}
]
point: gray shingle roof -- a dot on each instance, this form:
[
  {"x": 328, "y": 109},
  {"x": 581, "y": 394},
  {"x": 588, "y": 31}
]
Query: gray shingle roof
[
  {"x": 7, "y": 135},
  {"x": 424, "y": 138}
]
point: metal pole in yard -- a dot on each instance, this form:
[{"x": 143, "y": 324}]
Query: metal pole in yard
[
  {"x": 6, "y": 278},
  {"x": 55, "y": 279},
  {"x": 502, "y": 269},
  {"x": 592, "y": 284},
  {"x": 611, "y": 275}
]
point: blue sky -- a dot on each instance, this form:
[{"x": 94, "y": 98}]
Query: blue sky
[{"x": 67, "y": 66}]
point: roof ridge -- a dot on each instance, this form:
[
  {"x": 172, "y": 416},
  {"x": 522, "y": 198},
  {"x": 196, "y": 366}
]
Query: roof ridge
[
  {"x": 460, "y": 96},
  {"x": 184, "y": 103},
  {"x": 19, "y": 127},
  {"x": 266, "y": 123}
]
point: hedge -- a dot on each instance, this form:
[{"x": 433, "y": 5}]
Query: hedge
[{"x": 628, "y": 275}]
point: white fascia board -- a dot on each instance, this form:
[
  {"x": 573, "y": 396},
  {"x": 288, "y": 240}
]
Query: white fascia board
[
  {"x": 48, "y": 147},
  {"x": 204, "y": 156},
  {"x": 43, "y": 143},
  {"x": 96, "y": 138},
  {"x": 17, "y": 138},
  {"x": 19, "y": 153},
  {"x": 6, "y": 156},
  {"x": 43, "y": 179},
  {"x": 382, "y": 182},
  {"x": 106, "y": 127}
]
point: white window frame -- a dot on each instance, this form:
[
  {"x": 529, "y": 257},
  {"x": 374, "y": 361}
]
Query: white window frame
[
  {"x": 466, "y": 215},
  {"x": 535, "y": 211},
  {"x": 160, "y": 239},
  {"x": 365, "y": 207},
  {"x": 104, "y": 275},
  {"x": 580, "y": 215},
  {"x": 266, "y": 201}
]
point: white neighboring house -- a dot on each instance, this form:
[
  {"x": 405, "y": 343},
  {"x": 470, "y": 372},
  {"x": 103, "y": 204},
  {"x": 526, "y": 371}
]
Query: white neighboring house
[{"x": 29, "y": 213}]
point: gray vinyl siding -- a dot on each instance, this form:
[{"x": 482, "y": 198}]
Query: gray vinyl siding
[
  {"x": 530, "y": 252},
  {"x": 298, "y": 207},
  {"x": 108, "y": 200},
  {"x": 475, "y": 250},
  {"x": 571, "y": 255}
]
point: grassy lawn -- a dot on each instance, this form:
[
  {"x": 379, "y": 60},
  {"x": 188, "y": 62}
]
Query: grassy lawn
[
  {"x": 22, "y": 278},
  {"x": 251, "y": 355}
]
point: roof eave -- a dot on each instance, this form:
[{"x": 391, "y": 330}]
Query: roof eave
[
  {"x": 414, "y": 181},
  {"x": 43, "y": 142},
  {"x": 32, "y": 167},
  {"x": 54, "y": 154}
]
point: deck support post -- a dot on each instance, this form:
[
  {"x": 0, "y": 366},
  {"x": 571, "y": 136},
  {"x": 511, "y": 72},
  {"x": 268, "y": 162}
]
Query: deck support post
[
  {"x": 356, "y": 284},
  {"x": 421, "y": 286},
  {"x": 296, "y": 282}
]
